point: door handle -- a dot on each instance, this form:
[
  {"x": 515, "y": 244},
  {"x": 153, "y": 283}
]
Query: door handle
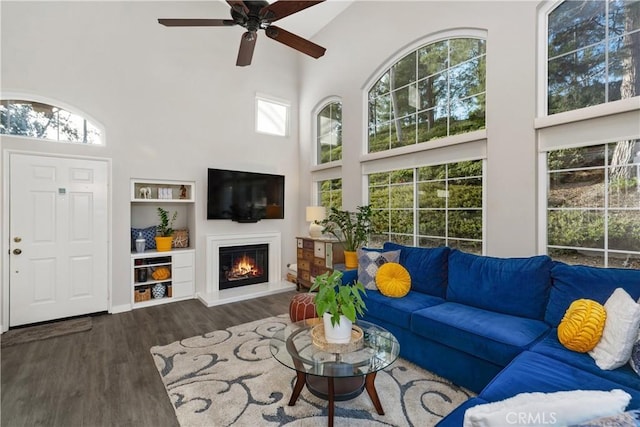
[{"x": 17, "y": 251}]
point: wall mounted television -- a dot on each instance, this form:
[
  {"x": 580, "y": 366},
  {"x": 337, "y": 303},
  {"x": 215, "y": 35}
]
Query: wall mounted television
[{"x": 244, "y": 196}]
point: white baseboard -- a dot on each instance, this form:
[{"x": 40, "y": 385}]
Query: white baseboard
[{"x": 120, "y": 308}]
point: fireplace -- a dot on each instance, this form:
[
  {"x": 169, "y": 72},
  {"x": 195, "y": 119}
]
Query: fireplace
[
  {"x": 243, "y": 265},
  {"x": 273, "y": 282}
]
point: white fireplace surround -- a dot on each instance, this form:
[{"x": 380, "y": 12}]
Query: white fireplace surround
[{"x": 214, "y": 296}]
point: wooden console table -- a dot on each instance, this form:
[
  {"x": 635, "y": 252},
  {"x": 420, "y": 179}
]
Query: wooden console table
[{"x": 315, "y": 257}]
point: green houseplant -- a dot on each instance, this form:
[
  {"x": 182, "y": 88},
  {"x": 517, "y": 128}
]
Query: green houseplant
[
  {"x": 165, "y": 230},
  {"x": 350, "y": 228},
  {"x": 338, "y": 305}
]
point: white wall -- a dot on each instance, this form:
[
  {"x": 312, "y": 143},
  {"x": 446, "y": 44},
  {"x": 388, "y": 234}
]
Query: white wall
[
  {"x": 368, "y": 34},
  {"x": 171, "y": 99}
]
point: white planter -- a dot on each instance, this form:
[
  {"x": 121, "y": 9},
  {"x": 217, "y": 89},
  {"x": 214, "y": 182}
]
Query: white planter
[{"x": 339, "y": 334}]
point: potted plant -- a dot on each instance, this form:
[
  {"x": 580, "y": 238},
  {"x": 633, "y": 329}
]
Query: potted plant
[
  {"x": 338, "y": 305},
  {"x": 350, "y": 228},
  {"x": 164, "y": 230}
]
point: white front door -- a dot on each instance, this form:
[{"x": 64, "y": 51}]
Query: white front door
[{"x": 58, "y": 215}]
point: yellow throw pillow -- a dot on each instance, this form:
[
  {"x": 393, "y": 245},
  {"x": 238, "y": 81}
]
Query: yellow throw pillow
[
  {"x": 582, "y": 325},
  {"x": 393, "y": 280}
]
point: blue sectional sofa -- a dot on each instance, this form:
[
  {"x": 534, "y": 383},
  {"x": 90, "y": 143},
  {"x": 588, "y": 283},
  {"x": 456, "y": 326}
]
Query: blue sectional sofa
[{"x": 490, "y": 324}]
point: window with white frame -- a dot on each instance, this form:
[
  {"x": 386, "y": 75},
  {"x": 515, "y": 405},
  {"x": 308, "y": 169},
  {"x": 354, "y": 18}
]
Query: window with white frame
[
  {"x": 272, "y": 116},
  {"x": 429, "y": 206},
  {"x": 48, "y": 122},
  {"x": 329, "y": 133},
  {"x": 330, "y": 193},
  {"x": 435, "y": 91},
  {"x": 590, "y": 167},
  {"x": 593, "y": 210},
  {"x": 593, "y": 53}
]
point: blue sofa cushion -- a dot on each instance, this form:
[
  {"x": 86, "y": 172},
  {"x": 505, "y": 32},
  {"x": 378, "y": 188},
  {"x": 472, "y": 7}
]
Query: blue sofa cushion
[
  {"x": 572, "y": 282},
  {"x": 550, "y": 346},
  {"x": 397, "y": 311},
  {"x": 516, "y": 286},
  {"x": 494, "y": 337},
  {"x": 534, "y": 372},
  {"x": 426, "y": 266}
]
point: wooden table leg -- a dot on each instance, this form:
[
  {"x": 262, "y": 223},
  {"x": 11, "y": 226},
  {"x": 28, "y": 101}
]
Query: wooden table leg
[
  {"x": 369, "y": 381},
  {"x": 331, "y": 401},
  {"x": 297, "y": 388}
]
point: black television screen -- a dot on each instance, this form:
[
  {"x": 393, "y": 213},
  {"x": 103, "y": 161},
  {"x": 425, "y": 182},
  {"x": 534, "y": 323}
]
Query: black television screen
[{"x": 244, "y": 196}]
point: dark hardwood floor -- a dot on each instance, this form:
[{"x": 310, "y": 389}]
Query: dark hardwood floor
[{"x": 106, "y": 376}]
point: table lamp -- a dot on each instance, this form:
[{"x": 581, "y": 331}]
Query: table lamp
[{"x": 315, "y": 213}]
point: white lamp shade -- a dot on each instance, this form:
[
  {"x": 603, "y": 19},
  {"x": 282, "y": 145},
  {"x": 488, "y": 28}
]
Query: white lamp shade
[{"x": 316, "y": 213}]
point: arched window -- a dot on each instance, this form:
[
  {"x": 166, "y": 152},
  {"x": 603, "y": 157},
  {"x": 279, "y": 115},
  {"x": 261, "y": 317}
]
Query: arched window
[
  {"x": 435, "y": 91},
  {"x": 329, "y": 133},
  {"x": 44, "y": 121},
  {"x": 593, "y": 53}
]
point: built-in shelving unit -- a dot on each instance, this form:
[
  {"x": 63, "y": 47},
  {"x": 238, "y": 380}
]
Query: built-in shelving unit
[
  {"x": 175, "y": 196},
  {"x": 177, "y": 286}
]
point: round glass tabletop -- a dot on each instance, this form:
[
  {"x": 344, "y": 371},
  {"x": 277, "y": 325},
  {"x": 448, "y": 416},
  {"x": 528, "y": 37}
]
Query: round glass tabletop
[{"x": 293, "y": 347}]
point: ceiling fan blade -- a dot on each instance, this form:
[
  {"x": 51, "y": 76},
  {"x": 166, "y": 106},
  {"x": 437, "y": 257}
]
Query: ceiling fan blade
[
  {"x": 282, "y": 8},
  {"x": 247, "y": 44},
  {"x": 196, "y": 22},
  {"x": 294, "y": 41},
  {"x": 238, "y": 6}
]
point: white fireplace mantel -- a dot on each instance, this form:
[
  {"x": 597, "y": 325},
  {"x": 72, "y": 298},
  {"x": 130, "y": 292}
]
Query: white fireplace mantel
[{"x": 276, "y": 284}]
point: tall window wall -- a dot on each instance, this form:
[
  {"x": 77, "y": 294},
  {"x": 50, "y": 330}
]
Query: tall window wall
[
  {"x": 592, "y": 189},
  {"x": 430, "y": 206},
  {"x": 437, "y": 90},
  {"x": 434, "y": 92}
]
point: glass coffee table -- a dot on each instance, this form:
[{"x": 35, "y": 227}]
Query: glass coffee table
[{"x": 335, "y": 376}]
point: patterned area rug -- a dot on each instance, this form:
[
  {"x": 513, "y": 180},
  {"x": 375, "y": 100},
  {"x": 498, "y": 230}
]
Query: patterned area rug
[{"x": 229, "y": 377}]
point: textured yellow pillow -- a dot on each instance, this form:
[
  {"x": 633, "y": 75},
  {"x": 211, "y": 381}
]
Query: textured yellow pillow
[
  {"x": 393, "y": 280},
  {"x": 582, "y": 325}
]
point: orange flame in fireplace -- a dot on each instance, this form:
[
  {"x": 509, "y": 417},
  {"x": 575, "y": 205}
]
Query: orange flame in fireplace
[{"x": 243, "y": 268}]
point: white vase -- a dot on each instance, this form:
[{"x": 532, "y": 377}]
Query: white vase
[{"x": 338, "y": 334}]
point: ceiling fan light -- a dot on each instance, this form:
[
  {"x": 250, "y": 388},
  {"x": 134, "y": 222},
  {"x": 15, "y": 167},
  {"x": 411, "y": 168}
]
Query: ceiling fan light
[{"x": 249, "y": 36}]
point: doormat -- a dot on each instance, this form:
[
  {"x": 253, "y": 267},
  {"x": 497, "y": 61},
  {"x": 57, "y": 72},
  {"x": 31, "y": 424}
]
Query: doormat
[{"x": 48, "y": 330}]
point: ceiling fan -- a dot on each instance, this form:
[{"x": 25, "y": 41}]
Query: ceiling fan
[{"x": 257, "y": 15}]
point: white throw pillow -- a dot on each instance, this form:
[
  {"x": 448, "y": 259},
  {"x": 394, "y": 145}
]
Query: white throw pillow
[
  {"x": 561, "y": 408},
  {"x": 620, "y": 331}
]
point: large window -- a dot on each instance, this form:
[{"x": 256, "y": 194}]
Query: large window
[
  {"x": 593, "y": 53},
  {"x": 330, "y": 193},
  {"x": 430, "y": 206},
  {"x": 329, "y": 133},
  {"x": 435, "y": 91},
  {"x": 593, "y": 211},
  {"x": 44, "y": 121}
]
